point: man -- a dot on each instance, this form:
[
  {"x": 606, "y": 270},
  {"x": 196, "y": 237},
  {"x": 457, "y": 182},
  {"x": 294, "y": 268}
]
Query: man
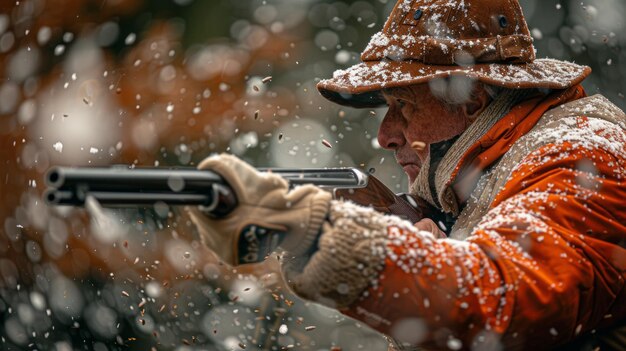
[{"x": 531, "y": 169}]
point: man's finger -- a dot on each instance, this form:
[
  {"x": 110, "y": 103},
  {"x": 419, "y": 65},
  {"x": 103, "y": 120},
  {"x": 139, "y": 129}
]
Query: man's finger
[{"x": 428, "y": 225}]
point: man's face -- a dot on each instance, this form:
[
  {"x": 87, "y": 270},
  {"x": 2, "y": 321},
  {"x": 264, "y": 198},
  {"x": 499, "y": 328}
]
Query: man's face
[{"x": 415, "y": 114}]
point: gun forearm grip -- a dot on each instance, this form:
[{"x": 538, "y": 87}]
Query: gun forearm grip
[
  {"x": 382, "y": 199},
  {"x": 379, "y": 197}
]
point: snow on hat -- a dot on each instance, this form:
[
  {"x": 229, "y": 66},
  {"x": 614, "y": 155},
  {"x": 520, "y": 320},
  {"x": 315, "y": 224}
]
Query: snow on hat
[{"x": 486, "y": 40}]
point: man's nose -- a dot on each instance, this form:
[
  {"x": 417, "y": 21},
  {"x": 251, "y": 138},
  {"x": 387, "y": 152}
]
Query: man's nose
[{"x": 390, "y": 132}]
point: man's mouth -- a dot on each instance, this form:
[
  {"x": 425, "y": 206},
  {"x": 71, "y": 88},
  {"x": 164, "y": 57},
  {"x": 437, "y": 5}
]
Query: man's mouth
[{"x": 410, "y": 162}]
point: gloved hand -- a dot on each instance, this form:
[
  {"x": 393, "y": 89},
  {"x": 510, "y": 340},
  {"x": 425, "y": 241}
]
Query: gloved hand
[{"x": 268, "y": 214}]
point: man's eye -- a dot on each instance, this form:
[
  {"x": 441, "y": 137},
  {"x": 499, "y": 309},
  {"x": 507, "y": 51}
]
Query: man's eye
[{"x": 401, "y": 103}]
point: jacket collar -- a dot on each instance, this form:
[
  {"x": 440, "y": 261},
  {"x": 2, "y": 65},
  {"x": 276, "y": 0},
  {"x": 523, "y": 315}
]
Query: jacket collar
[{"x": 447, "y": 181}]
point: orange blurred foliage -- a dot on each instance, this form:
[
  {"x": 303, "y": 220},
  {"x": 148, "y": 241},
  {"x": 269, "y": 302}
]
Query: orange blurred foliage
[{"x": 173, "y": 97}]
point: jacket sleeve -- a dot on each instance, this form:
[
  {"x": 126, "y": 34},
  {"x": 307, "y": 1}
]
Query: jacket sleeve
[{"x": 545, "y": 264}]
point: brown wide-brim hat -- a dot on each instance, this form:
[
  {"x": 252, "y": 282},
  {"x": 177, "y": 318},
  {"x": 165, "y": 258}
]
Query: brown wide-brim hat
[{"x": 485, "y": 40}]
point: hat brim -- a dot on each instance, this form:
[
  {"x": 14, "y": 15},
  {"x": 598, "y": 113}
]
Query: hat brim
[{"x": 361, "y": 85}]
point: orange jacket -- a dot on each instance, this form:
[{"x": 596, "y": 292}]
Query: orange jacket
[{"x": 545, "y": 264}]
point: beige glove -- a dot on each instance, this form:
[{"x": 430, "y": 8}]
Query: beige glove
[{"x": 268, "y": 214}]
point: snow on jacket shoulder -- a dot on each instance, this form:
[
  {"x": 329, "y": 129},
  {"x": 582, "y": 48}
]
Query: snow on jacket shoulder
[{"x": 537, "y": 257}]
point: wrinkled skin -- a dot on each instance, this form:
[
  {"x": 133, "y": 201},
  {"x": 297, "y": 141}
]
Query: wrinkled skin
[{"x": 415, "y": 114}]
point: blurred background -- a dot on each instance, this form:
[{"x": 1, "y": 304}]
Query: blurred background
[{"x": 166, "y": 83}]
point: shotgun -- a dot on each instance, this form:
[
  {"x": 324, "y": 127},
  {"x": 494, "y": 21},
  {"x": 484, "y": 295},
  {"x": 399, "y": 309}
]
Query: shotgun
[{"x": 118, "y": 186}]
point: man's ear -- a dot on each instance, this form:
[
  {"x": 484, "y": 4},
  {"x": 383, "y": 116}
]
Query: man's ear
[{"x": 479, "y": 101}]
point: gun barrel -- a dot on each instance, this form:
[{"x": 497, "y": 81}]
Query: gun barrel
[
  {"x": 161, "y": 179},
  {"x": 122, "y": 186},
  {"x": 335, "y": 178},
  {"x": 135, "y": 180},
  {"x": 113, "y": 198}
]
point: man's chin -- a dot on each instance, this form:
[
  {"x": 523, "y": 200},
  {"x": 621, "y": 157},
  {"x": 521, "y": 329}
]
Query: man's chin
[{"x": 411, "y": 171}]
